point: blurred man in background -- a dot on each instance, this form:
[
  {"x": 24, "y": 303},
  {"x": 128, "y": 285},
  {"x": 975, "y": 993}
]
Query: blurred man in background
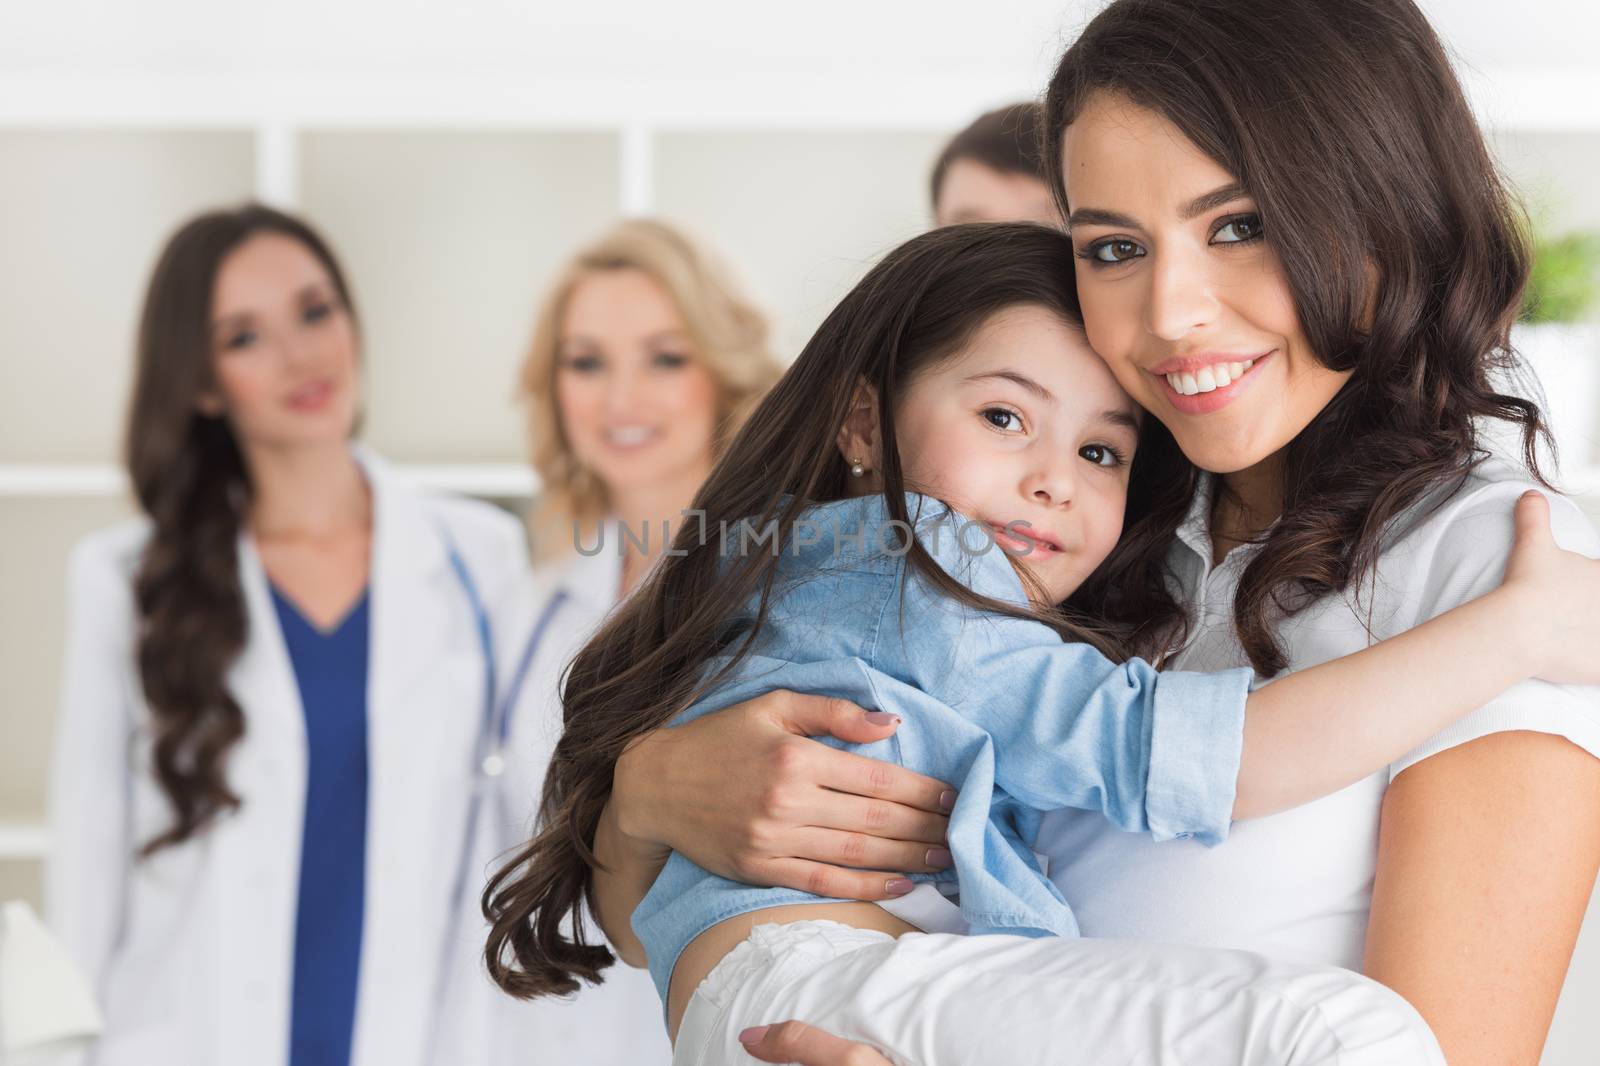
[{"x": 993, "y": 171}]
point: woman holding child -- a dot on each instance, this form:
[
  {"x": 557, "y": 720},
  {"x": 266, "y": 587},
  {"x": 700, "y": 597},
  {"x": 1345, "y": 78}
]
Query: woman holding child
[{"x": 1294, "y": 253}]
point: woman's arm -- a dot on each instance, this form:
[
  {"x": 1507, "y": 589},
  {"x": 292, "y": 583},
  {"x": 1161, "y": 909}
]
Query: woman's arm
[
  {"x": 1487, "y": 856},
  {"x": 747, "y": 795}
]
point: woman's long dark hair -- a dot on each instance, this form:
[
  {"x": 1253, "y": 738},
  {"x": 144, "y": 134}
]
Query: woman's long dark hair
[
  {"x": 189, "y": 476},
  {"x": 1344, "y": 121},
  {"x": 912, "y": 310}
]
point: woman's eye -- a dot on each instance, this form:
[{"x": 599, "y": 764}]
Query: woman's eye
[
  {"x": 316, "y": 312},
  {"x": 670, "y": 360},
  {"x": 583, "y": 364},
  {"x": 1238, "y": 230},
  {"x": 1113, "y": 250},
  {"x": 1100, "y": 454},
  {"x": 1000, "y": 418},
  {"x": 242, "y": 339}
]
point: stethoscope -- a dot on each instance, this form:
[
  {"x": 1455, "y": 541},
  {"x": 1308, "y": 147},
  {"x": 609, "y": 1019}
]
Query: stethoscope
[{"x": 488, "y": 756}]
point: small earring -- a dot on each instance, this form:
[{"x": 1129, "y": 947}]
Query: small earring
[{"x": 856, "y": 469}]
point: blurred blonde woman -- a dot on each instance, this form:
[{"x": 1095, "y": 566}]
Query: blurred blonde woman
[{"x": 646, "y": 356}]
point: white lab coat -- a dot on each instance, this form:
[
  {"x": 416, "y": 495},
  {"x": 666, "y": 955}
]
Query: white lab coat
[
  {"x": 620, "y": 1022},
  {"x": 191, "y": 950}
]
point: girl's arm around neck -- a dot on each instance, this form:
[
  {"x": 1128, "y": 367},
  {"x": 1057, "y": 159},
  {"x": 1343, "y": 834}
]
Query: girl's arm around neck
[{"x": 1322, "y": 729}]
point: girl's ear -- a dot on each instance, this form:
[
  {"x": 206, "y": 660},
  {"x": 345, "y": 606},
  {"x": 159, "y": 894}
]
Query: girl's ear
[
  {"x": 209, "y": 404},
  {"x": 858, "y": 437}
]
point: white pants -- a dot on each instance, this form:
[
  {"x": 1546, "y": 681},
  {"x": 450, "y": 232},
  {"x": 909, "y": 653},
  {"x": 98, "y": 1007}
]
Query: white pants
[{"x": 936, "y": 999}]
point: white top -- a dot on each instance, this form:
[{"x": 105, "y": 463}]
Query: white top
[
  {"x": 191, "y": 951},
  {"x": 617, "y": 1023},
  {"x": 1298, "y": 885}
]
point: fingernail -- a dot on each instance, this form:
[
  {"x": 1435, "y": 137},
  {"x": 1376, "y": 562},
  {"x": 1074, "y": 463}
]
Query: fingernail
[
  {"x": 947, "y": 800},
  {"x": 1530, "y": 494},
  {"x": 940, "y": 858},
  {"x": 882, "y": 718},
  {"x": 753, "y": 1034},
  {"x": 898, "y": 887}
]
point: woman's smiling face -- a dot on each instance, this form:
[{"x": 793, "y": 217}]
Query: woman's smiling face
[{"x": 1182, "y": 293}]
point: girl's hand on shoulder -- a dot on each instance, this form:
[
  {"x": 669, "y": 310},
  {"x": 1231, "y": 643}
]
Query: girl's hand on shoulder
[
  {"x": 745, "y": 793},
  {"x": 1557, "y": 596}
]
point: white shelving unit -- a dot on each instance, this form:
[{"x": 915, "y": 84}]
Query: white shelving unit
[
  {"x": 22, "y": 841},
  {"x": 505, "y": 481}
]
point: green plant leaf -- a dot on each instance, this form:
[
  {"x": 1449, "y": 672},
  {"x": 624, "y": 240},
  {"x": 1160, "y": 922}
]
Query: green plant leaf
[{"x": 1565, "y": 282}]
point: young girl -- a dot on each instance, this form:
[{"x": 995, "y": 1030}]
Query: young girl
[{"x": 952, "y": 394}]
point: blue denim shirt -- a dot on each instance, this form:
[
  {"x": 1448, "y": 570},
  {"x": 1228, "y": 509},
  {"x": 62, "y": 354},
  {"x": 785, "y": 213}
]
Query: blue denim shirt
[{"x": 1017, "y": 720}]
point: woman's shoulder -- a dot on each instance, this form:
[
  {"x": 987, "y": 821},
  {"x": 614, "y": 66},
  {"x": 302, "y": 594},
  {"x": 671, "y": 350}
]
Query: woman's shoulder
[
  {"x": 110, "y": 554},
  {"x": 473, "y": 518},
  {"x": 486, "y": 534}
]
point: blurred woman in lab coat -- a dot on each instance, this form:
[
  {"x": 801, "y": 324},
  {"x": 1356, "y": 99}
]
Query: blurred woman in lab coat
[
  {"x": 645, "y": 359},
  {"x": 272, "y": 689}
]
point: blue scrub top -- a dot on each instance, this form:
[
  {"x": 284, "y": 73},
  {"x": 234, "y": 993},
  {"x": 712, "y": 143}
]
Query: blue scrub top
[{"x": 330, "y": 668}]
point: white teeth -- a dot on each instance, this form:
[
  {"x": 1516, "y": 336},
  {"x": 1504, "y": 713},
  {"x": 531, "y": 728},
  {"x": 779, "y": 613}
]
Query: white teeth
[
  {"x": 1209, "y": 378},
  {"x": 629, "y": 435}
]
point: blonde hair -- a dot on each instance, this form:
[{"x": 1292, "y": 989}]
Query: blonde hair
[{"x": 729, "y": 332}]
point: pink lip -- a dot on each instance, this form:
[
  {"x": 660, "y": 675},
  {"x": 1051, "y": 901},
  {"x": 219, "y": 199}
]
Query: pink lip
[
  {"x": 1023, "y": 539},
  {"x": 312, "y": 396},
  {"x": 1205, "y": 403}
]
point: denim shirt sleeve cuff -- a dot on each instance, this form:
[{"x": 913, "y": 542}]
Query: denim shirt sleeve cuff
[{"x": 1196, "y": 738}]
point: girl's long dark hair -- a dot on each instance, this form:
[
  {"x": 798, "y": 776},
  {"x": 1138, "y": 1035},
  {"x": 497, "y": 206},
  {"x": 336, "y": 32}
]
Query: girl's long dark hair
[
  {"x": 913, "y": 309},
  {"x": 190, "y": 479},
  {"x": 1403, "y": 250}
]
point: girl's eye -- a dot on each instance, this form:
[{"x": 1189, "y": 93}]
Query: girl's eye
[
  {"x": 1101, "y": 454},
  {"x": 583, "y": 364},
  {"x": 241, "y": 340},
  {"x": 1112, "y": 250},
  {"x": 670, "y": 360},
  {"x": 1001, "y": 418},
  {"x": 1241, "y": 229},
  {"x": 316, "y": 312}
]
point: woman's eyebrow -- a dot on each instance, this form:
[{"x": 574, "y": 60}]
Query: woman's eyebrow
[
  {"x": 231, "y": 321},
  {"x": 1096, "y": 216},
  {"x": 1212, "y": 200}
]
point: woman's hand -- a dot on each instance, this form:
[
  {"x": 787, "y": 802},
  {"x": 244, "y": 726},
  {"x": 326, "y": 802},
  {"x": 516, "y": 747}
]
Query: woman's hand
[
  {"x": 747, "y": 795},
  {"x": 807, "y": 1045}
]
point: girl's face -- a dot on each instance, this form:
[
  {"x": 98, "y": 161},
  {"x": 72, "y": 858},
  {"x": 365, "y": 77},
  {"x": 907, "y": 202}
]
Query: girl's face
[
  {"x": 1181, "y": 295},
  {"x": 638, "y": 404},
  {"x": 1025, "y": 424},
  {"x": 284, "y": 350}
]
